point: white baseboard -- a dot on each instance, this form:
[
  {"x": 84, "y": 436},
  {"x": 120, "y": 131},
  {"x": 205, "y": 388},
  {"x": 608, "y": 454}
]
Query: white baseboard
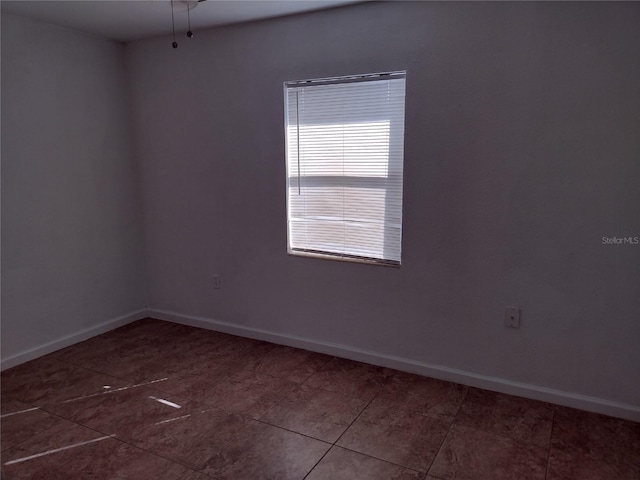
[
  {"x": 65, "y": 341},
  {"x": 558, "y": 397}
]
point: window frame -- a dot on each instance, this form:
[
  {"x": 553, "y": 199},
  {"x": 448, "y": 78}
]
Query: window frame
[{"x": 397, "y": 165}]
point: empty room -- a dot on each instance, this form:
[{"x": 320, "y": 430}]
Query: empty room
[{"x": 320, "y": 240}]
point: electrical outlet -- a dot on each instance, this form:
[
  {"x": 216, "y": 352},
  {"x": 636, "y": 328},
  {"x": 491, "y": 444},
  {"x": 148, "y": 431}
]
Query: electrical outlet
[
  {"x": 217, "y": 281},
  {"x": 512, "y": 317}
]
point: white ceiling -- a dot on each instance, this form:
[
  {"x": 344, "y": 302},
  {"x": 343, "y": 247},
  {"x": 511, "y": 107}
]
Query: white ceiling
[{"x": 131, "y": 20}]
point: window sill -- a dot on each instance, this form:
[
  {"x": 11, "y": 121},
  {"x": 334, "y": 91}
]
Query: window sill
[{"x": 327, "y": 256}]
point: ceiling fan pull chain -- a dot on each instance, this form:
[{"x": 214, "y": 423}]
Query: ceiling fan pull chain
[
  {"x": 173, "y": 26},
  {"x": 189, "y": 32}
]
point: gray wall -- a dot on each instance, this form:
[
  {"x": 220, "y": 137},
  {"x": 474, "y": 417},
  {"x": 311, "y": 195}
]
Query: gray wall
[
  {"x": 521, "y": 152},
  {"x": 71, "y": 236}
]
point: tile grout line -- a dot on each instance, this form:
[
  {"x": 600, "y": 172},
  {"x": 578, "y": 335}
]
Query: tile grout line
[
  {"x": 263, "y": 422},
  {"x": 553, "y": 425},
  {"x": 95, "y": 371},
  {"x": 334, "y": 444},
  {"x": 444, "y": 439},
  {"x": 318, "y": 462},
  {"x": 337, "y": 446},
  {"x": 24, "y": 441},
  {"x": 380, "y": 459},
  {"x": 355, "y": 419},
  {"x": 318, "y": 370},
  {"x": 49, "y": 428},
  {"x": 502, "y": 435}
]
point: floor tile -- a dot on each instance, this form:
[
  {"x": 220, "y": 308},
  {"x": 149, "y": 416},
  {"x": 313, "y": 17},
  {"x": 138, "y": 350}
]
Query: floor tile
[
  {"x": 186, "y": 333},
  {"x": 514, "y": 417},
  {"x": 469, "y": 454},
  {"x": 351, "y": 378},
  {"x": 418, "y": 394},
  {"x": 341, "y": 464},
  {"x": 70, "y": 452},
  {"x": 408, "y": 439},
  {"x": 148, "y": 330},
  {"x": 192, "y": 439},
  {"x": 247, "y": 392},
  {"x": 197, "y": 380},
  {"x": 245, "y": 351},
  {"x": 156, "y": 332},
  {"x": 192, "y": 348},
  {"x": 145, "y": 361},
  {"x": 143, "y": 350},
  {"x": 317, "y": 413},
  {"x": 9, "y": 405},
  {"x": 20, "y": 425},
  {"x": 264, "y": 452},
  {"x": 577, "y": 466},
  {"x": 193, "y": 475},
  {"x": 122, "y": 412},
  {"x": 54, "y": 437},
  {"x": 293, "y": 364},
  {"x": 138, "y": 362},
  {"x": 92, "y": 352},
  {"x": 48, "y": 380},
  {"x": 596, "y": 437}
]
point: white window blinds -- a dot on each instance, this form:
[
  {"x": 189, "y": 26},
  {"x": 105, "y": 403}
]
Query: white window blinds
[{"x": 345, "y": 145}]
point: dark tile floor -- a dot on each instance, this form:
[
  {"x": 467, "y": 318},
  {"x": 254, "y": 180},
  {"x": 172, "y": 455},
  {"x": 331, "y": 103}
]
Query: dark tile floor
[{"x": 157, "y": 400}]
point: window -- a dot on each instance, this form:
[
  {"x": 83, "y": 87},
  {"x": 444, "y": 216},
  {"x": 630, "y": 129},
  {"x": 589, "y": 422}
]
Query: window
[{"x": 345, "y": 148}]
